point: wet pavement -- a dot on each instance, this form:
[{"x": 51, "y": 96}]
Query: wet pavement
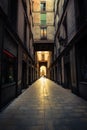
[{"x": 45, "y": 106}]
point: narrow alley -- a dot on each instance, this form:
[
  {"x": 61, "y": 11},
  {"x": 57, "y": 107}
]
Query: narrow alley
[
  {"x": 43, "y": 65},
  {"x": 45, "y": 106}
]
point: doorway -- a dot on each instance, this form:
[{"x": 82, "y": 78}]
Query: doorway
[{"x": 43, "y": 71}]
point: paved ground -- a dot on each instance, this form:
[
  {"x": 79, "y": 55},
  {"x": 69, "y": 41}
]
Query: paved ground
[{"x": 45, "y": 106}]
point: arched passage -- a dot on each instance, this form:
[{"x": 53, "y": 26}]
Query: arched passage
[{"x": 43, "y": 71}]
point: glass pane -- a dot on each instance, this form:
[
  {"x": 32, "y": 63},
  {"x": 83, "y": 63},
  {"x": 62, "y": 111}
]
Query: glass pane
[
  {"x": 43, "y": 6},
  {"x": 8, "y": 69}
]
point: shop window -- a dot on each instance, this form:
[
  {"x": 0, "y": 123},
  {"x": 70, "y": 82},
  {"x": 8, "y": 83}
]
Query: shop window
[
  {"x": 43, "y": 6},
  {"x": 82, "y": 58},
  {"x": 44, "y": 33},
  {"x": 8, "y": 68}
]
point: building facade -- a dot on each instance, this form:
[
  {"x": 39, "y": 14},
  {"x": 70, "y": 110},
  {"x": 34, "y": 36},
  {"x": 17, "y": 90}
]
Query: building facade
[
  {"x": 17, "y": 67},
  {"x": 43, "y": 32},
  {"x": 70, "y": 59}
]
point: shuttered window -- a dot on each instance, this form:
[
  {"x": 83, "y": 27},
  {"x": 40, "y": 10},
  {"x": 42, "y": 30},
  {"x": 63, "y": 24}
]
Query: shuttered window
[{"x": 43, "y": 19}]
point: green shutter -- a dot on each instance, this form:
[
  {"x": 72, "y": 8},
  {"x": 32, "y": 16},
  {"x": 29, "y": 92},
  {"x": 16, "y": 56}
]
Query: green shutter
[{"x": 43, "y": 19}]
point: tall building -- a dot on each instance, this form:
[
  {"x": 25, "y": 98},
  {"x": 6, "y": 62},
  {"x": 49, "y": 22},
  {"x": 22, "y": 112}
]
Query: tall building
[
  {"x": 70, "y": 63},
  {"x": 16, "y": 48},
  {"x": 43, "y": 33}
]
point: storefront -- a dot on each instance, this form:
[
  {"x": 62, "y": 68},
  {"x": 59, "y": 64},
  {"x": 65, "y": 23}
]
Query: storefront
[
  {"x": 9, "y": 69},
  {"x": 82, "y": 67}
]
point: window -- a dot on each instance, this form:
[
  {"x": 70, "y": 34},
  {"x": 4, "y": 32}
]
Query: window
[
  {"x": 44, "y": 33},
  {"x": 43, "y": 19},
  {"x": 8, "y": 68},
  {"x": 43, "y": 6},
  {"x": 12, "y": 12}
]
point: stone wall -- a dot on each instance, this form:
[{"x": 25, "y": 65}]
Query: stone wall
[{"x": 49, "y": 19}]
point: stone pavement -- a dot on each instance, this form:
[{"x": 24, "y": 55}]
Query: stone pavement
[{"x": 45, "y": 106}]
